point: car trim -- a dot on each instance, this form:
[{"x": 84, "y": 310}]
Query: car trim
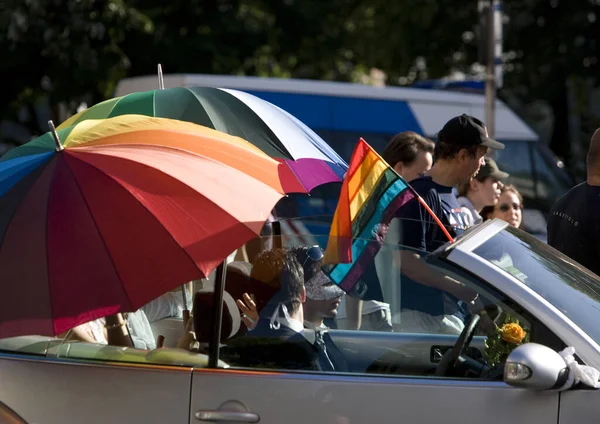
[
  {"x": 359, "y": 377},
  {"x": 486, "y": 231},
  {"x": 90, "y": 362}
]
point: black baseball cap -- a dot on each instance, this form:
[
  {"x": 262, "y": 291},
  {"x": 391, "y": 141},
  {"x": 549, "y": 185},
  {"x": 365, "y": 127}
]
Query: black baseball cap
[{"x": 465, "y": 130}]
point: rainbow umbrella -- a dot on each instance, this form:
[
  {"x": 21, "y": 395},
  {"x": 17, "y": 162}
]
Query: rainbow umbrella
[
  {"x": 106, "y": 215},
  {"x": 271, "y": 129}
]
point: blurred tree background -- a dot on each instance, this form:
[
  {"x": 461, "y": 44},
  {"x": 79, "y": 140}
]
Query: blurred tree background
[{"x": 59, "y": 53}]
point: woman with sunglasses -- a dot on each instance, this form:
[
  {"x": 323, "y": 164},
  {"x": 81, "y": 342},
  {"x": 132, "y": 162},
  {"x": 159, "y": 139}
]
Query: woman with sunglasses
[{"x": 509, "y": 207}]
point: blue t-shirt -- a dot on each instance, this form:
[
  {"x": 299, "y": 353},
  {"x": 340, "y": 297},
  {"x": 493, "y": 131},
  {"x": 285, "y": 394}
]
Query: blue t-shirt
[{"x": 420, "y": 231}]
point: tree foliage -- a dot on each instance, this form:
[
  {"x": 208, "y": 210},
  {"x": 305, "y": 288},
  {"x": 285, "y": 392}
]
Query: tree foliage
[{"x": 66, "y": 51}]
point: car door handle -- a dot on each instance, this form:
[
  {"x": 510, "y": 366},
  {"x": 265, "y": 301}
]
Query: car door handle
[{"x": 230, "y": 416}]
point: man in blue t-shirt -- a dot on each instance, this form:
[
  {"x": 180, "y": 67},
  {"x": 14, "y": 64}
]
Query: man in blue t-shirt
[{"x": 459, "y": 153}]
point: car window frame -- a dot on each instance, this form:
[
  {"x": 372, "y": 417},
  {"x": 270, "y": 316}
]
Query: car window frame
[
  {"x": 556, "y": 322},
  {"x": 439, "y": 260}
]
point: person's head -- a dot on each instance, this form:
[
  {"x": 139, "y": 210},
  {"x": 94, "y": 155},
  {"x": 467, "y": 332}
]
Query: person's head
[
  {"x": 463, "y": 143},
  {"x": 593, "y": 159},
  {"x": 410, "y": 154},
  {"x": 484, "y": 189},
  {"x": 280, "y": 270},
  {"x": 322, "y": 295},
  {"x": 510, "y": 206}
]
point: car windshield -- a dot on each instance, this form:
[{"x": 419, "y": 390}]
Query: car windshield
[{"x": 570, "y": 287}]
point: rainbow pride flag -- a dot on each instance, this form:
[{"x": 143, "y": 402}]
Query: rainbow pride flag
[{"x": 371, "y": 194}]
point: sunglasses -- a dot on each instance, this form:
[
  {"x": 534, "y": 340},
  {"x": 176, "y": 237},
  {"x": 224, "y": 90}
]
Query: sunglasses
[
  {"x": 504, "y": 207},
  {"x": 314, "y": 253}
]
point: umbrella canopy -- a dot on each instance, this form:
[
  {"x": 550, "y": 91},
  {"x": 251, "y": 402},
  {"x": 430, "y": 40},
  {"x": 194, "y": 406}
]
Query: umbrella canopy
[
  {"x": 123, "y": 210},
  {"x": 268, "y": 127}
]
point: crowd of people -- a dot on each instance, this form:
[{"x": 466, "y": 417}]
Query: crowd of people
[{"x": 436, "y": 303}]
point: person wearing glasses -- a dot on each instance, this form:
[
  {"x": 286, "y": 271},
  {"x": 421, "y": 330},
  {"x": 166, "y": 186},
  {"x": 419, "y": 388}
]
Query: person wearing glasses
[{"x": 509, "y": 207}]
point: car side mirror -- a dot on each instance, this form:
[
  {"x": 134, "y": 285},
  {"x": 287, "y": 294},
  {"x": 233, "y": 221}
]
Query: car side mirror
[{"x": 535, "y": 366}]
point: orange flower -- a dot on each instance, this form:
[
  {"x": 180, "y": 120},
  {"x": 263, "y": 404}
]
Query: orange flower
[{"x": 513, "y": 333}]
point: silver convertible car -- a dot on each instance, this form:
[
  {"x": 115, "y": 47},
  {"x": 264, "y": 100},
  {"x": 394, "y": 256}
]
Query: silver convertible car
[{"x": 399, "y": 376}]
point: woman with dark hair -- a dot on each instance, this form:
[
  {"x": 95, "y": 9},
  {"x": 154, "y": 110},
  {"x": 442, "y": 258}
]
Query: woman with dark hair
[
  {"x": 410, "y": 154},
  {"x": 483, "y": 190}
]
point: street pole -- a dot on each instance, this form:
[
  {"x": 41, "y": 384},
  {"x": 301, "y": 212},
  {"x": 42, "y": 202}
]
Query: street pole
[{"x": 490, "y": 74}]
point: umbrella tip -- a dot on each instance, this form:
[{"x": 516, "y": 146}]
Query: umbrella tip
[
  {"x": 59, "y": 146},
  {"x": 161, "y": 82}
]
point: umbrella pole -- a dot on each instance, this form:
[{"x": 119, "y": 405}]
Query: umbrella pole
[
  {"x": 186, "y": 311},
  {"x": 277, "y": 242},
  {"x": 217, "y": 319},
  {"x": 161, "y": 82},
  {"x": 59, "y": 146}
]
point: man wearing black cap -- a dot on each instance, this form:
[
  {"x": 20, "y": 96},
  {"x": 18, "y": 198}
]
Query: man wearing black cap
[{"x": 459, "y": 153}]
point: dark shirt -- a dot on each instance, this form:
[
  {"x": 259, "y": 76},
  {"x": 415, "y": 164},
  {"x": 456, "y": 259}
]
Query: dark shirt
[
  {"x": 574, "y": 226},
  {"x": 420, "y": 231},
  {"x": 284, "y": 348},
  {"x": 264, "y": 347},
  {"x": 329, "y": 356}
]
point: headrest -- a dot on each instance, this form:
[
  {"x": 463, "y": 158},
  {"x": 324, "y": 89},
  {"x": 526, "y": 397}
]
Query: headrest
[
  {"x": 238, "y": 282},
  {"x": 238, "y": 269},
  {"x": 203, "y": 314},
  {"x": 237, "y": 278}
]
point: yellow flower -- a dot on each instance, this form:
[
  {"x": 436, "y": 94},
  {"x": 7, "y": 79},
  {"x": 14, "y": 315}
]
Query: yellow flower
[{"x": 513, "y": 333}]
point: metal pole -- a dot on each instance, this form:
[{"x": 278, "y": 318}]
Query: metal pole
[
  {"x": 59, "y": 147},
  {"x": 217, "y": 319},
  {"x": 490, "y": 78},
  {"x": 277, "y": 241},
  {"x": 161, "y": 81}
]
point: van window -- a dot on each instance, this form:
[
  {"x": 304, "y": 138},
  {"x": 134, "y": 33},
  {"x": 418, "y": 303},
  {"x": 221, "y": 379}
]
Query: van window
[
  {"x": 551, "y": 183},
  {"x": 343, "y": 142},
  {"x": 516, "y": 160}
]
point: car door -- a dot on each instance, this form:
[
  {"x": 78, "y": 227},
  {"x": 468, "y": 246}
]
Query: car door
[
  {"x": 45, "y": 389},
  {"x": 295, "y": 398},
  {"x": 405, "y": 392}
]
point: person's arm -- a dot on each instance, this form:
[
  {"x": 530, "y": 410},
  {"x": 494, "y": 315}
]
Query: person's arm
[
  {"x": 353, "y": 312},
  {"x": 116, "y": 331},
  {"x": 414, "y": 267},
  {"x": 415, "y": 225},
  {"x": 168, "y": 305},
  {"x": 78, "y": 333}
]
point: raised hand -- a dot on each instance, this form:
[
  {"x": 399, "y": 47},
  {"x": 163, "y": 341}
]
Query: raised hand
[{"x": 248, "y": 309}]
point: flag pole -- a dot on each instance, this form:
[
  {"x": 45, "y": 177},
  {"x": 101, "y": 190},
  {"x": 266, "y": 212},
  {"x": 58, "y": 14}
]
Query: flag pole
[{"x": 437, "y": 220}]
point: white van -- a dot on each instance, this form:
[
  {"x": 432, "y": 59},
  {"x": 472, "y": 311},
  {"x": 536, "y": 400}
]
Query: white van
[{"x": 343, "y": 112}]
